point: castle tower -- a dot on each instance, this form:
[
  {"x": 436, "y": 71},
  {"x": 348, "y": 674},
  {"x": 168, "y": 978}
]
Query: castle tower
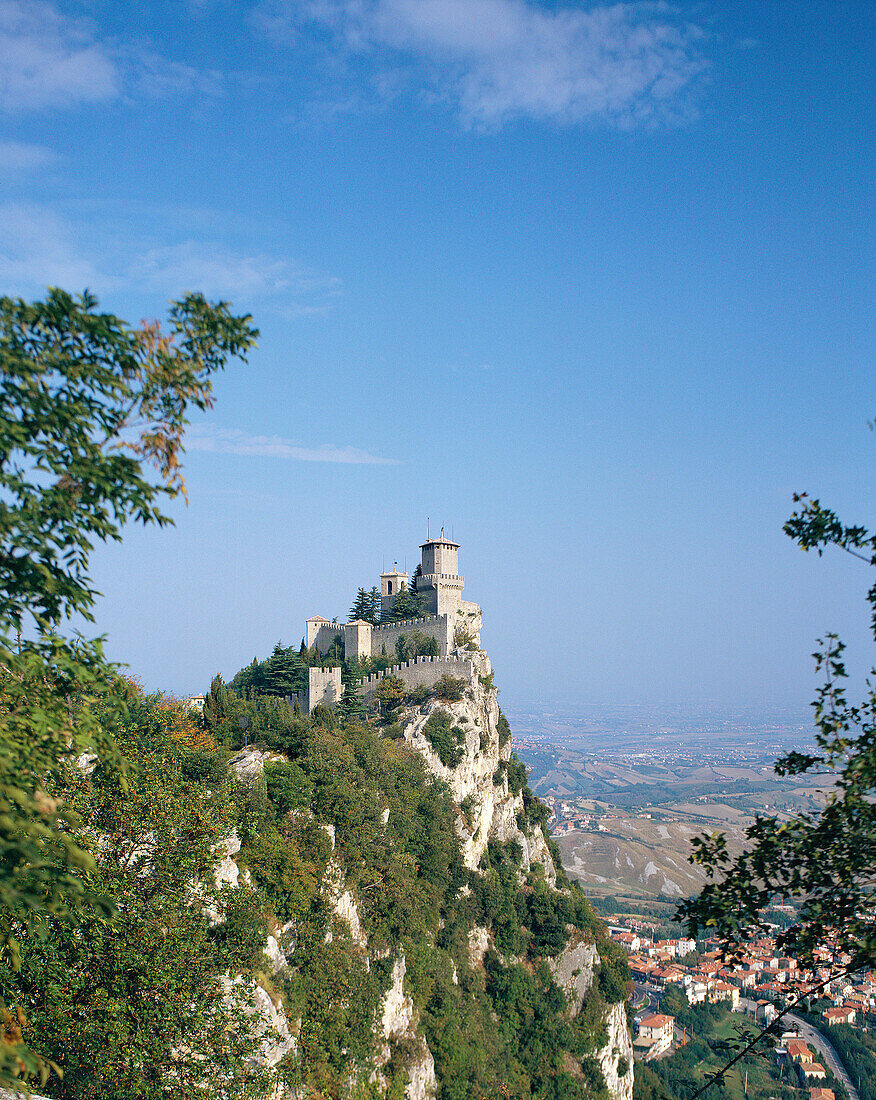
[
  {"x": 441, "y": 583},
  {"x": 390, "y": 586}
]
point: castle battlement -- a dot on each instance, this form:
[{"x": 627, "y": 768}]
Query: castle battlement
[
  {"x": 413, "y": 623},
  {"x": 421, "y": 670},
  {"x": 439, "y": 587}
]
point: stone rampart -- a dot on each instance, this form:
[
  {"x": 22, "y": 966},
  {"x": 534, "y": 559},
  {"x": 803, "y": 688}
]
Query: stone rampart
[
  {"x": 325, "y": 636},
  {"x": 422, "y": 670},
  {"x": 438, "y": 627},
  {"x": 323, "y": 686}
]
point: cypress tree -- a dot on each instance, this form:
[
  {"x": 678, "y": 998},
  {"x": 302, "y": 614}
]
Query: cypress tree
[
  {"x": 284, "y": 672},
  {"x": 216, "y": 703},
  {"x": 350, "y": 704},
  {"x": 362, "y": 606},
  {"x": 405, "y": 606}
]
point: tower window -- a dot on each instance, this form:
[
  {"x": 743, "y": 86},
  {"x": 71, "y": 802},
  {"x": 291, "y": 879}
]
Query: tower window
[{"x": 389, "y": 587}]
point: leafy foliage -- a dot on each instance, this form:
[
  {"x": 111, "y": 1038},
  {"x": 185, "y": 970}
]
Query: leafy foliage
[
  {"x": 447, "y": 740},
  {"x": 406, "y": 605},
  {"x": 449, "y": 688},
  {"x": 504, "y": 730},
  {"x": 823, "y": 862},
  {"x": 87, "y": 405},
  {"x": 415, "y": 644},
  {"x": 366, "y": 606},
  {"x": 128, "y": 1000}
]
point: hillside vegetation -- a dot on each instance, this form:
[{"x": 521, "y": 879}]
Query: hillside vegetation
[{"x": 347, "y": 949}]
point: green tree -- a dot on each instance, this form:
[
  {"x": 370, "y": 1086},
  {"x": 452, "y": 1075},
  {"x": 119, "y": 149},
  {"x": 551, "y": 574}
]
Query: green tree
[
  {"x": 217, "y": 704},
  {"x": 350, "y": 705},
  {"x": 251, "y": 678},
  {"x": 406, "y": 605},
  {"x": 390, "y": 692},
  {"x": 130, "y": 1004},
  {"x": 825, "y": 863},
  {"x": 361, "y": 608},
  {"x": 88, "y": 406},
  {"x": 284, "y": 672},
  {"x": 366, "y": 606}
]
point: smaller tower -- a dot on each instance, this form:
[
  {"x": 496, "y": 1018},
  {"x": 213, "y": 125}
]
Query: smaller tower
[{"x": 390, "y": 586}]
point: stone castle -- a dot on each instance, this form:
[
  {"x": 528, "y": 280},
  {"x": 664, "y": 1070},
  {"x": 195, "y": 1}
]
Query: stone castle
[{"x": 453, "y": 622}]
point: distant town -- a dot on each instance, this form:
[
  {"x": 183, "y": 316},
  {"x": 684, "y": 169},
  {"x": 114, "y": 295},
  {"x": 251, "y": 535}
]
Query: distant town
[{"x": 761, "y": 980}]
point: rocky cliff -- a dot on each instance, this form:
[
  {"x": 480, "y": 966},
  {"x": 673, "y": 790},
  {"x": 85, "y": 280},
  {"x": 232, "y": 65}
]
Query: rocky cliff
[
  {"x": 480, "y": 781},
  {"x": 488, "y": 789}
]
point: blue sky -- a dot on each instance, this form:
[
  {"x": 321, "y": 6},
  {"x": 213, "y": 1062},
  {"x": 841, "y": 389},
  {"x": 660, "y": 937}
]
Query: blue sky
[{"x": 590, "y": 285}]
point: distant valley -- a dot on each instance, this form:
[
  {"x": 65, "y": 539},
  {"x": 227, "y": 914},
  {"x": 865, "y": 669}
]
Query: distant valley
[{"x": 626, "y": 802}]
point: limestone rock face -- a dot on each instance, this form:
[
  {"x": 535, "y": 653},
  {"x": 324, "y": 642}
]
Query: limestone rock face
[
  {"x": 479, "y": 780},
  {"x": 479, "y": 783},
  {"x": 227, "y": 871},
  {"x": 479, "y": 941},
  {"x": 343, "y": 903},
  {"x": 269, "y": 1024},
  {"x": 574, "y": 968},
  {"x": 398, "y": 1025},
  {"x": 250, "y": 763},
  {"x": 470, "y": 620},
  {"x": 617, "y": 1054},
  {"x": 280, "y": 945}
]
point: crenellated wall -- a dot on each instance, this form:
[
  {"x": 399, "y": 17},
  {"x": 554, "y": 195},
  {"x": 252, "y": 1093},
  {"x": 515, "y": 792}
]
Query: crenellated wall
[
  {"x": 322, "y": 634},
  {"x": 423, "y": 670},
  {"x": 323, "y": 686},
  {"x": 439, "y": 627}
]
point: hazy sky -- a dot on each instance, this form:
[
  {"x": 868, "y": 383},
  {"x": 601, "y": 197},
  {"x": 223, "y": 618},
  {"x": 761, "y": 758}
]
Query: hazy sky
[{"x": 591, "y": 285}]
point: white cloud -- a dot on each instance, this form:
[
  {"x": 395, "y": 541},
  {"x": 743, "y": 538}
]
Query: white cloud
[
  {"x": 40, "y": 248},
  {"x": 50, "y": 60},
  {"x": 17, "y": 156},
  {"x": 47, "y": 59},
  {"x": 504, "y": 59},
  {"x": 220, "y": 272},
  {"x": 236, "y": 442}
]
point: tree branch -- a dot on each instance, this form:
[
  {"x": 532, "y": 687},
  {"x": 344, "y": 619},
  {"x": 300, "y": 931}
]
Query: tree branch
[{"x": 722, "y": 1073}]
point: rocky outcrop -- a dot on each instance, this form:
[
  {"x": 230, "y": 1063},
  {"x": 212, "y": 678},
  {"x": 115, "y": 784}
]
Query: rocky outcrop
[
  {"x": 398, "y": 1028},
  {"x": 249, "y": 764},
  {"x": 479, "y": 941},
  {"x": 269, "y": 1026},
  {"x": 616, "y": 1057},
  {"x": 343, "y": 904},
  {"x": 479, "y": 781},
  {"x": 280, "y": 945},
  {"x": 574, "y": 968},
  {"x": 227, "y": 872},
  {"x": 491, "y": 811}
]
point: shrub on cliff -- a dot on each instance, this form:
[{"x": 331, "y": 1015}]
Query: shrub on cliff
[{"x": 447, "y": 740}]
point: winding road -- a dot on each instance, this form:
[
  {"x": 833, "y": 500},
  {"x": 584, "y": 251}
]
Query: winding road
[
  {"x": 823, "y": 1046},
  {"x": 820, "y": 1042}
]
